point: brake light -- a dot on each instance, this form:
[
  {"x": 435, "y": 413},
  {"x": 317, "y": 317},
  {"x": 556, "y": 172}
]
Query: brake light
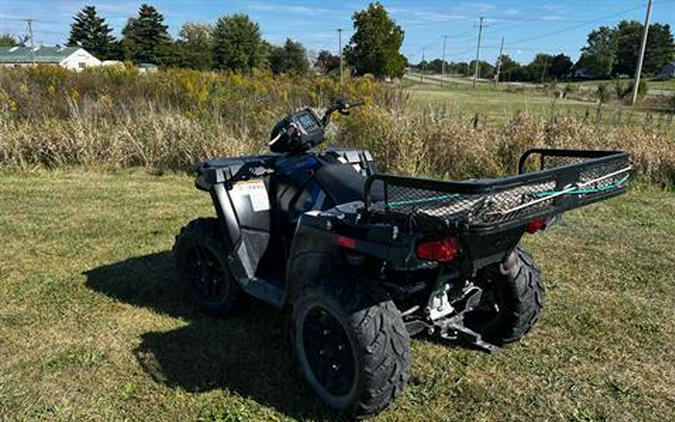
[
  {"x": 535, "y": 225},
  {"x": 438, "y": 250},
  {"x": 346, "y": 242}
]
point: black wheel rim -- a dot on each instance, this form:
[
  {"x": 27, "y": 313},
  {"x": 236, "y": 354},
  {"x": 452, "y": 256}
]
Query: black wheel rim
[
  {"x": 328, "y": 351},
  {"x": 208, "y": 277}
]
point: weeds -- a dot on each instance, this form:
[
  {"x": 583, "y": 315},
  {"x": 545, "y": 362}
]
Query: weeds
[{"x": 170, "y": 120}]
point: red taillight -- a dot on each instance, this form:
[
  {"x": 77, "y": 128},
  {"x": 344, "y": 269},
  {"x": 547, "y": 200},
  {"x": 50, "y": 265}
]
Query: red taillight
[
  {"x": 438, "y": 250},
  {"x": 535, "y": 225},
  {"x": 346, "y": 242}
]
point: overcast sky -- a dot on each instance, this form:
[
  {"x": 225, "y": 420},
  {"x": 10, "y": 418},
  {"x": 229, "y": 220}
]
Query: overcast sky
[{"x": 528, "y": 26}]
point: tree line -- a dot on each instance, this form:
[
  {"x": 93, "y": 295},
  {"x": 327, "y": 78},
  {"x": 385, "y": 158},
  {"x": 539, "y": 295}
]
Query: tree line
[
  {"x": 610, "y": 52},
  {"x": 234, "y": 42}
]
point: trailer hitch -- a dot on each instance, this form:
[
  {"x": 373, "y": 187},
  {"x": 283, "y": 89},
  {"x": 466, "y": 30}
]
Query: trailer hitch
[{"x": 454, "y": 329}]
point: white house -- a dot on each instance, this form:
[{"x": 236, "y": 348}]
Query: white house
[{"x": 73, "y": 58}]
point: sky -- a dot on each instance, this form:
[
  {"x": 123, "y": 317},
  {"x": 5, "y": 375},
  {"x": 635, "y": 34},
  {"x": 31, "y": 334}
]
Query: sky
[{"x": 528, "y": 26}]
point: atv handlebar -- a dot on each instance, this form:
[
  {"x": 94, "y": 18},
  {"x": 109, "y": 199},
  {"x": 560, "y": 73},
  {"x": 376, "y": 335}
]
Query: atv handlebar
[{"x": 342, "y": 106}]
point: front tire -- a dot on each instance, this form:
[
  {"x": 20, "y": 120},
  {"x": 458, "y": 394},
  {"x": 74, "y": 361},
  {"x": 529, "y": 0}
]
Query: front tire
[
  {"x": 351, "y": 346},
  {"x": 199, "y": 254}
]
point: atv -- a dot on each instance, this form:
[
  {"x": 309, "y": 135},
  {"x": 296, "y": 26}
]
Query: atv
[{"x": 362, "y": 261}]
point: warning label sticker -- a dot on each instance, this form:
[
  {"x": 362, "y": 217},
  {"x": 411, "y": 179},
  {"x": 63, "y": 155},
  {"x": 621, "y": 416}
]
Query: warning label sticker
[{"x": 256, "y": 191}]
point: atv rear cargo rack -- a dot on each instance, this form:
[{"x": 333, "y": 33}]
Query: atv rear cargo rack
[{"x": 565, "y": 179}]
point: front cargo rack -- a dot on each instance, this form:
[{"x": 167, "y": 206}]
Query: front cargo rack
[{"x": 563, "y": 179}]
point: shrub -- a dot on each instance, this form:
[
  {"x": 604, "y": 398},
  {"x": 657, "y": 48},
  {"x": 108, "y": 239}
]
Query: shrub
[
  {"x": 571, "y": 89},
  {"x": 602, "y": 93},
  {"x": 625, "y": 90}
]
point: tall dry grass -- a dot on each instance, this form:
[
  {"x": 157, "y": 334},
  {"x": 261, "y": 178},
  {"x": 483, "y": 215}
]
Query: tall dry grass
[
  {"x": 171, "y": 120},
  {"x": 439, "y": 143}
]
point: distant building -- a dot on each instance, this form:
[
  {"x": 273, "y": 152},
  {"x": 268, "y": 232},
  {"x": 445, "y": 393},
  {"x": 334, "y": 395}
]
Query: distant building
[
  {"x": 73, "y": 58},
  {"x": 147, "y": 68},
  {"x": 583, "y": 73},
  {"x": 112, "y": 63},
  {"x": 668, "y": 71}
]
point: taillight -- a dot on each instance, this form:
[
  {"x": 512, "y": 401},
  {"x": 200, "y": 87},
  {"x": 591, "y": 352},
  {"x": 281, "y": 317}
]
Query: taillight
[
  {"x": 535, "y": 225},
  {"x": 346, "y": 242},
  {"x": 438, "y": 250}
]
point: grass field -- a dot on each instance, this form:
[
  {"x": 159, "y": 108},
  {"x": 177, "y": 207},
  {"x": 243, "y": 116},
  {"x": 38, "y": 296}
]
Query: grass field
[
  {"x": 497, "y": 106},
  {"x": 94, "y": 326},
  {"x": 590, "y": 84},
  {"x": 667, "y": 85},
  {"x": 651, "y": 83}
]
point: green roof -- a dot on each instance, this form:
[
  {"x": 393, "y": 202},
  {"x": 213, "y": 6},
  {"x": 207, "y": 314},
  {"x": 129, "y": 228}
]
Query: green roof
[{"x": 39, "y": 55}]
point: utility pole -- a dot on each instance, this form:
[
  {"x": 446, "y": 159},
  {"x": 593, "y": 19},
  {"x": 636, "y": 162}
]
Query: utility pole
[
  {"x": 29, "y": 22},
  {"x": 424, "y": 66},
  {"x": 499, "y": 62},
  {"x": 339, "y": 30},
  {"x": 638, "y": 71},
  {"x": 476, "y": 73},
  {"x": 543, "y": 71},
  {"x": 445, "y": 37}
]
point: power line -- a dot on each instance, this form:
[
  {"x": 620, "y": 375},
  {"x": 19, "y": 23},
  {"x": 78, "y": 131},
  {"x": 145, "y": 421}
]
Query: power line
[
  {"x": 518, "y": 42},
  {"x": 569, "y": 28}
]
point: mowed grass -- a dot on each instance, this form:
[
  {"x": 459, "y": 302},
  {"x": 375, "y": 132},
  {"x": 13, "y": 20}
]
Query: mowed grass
[
  {"x": 94, "y": 326},
  {"x": 665, "y": 84},
  {"x": 496, "y": 106},
  {"x": 668, "y": 84}
]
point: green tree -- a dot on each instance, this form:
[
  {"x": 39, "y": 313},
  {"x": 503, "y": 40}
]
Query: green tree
[
  {"x": 238, "y": 44},
  {"x": 486, "y": 69},
  {"x": 375, "y": 46},
  {"x": 510, "y": 69},
  {"x": 560, "y": 66},
  {"x": 91, "y": 32},
  {"x": 146, "y": 37},
  {"x": 659, "y": 49},
  {"x": 194, "y": 47},
  {"x": 436, "y": 66},
  {"x": 459, "y": 68},
  {"x": 627, "y": 38},
  {"x": 538, "y": 68},
  {"x": 292, "y": 57},
  {"x": 6, "y": 40},
  {"x": 327, "y": 62},
  {"x": 598, "y": 56}
]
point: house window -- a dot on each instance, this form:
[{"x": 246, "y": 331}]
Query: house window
[{"x": 81, "y": 65}]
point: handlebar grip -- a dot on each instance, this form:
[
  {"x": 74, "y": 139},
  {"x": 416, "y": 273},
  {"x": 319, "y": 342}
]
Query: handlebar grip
[{"x": 357, "y": 103}]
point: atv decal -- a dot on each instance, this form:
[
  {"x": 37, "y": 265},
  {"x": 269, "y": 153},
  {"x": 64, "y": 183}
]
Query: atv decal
[{"x": 256, "y": 192}]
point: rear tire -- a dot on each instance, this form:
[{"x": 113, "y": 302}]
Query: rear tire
[
  {"x": 351, "y": 345},
  {"x": 199, "y": 254},
  {"x": 518, "y": 293}
]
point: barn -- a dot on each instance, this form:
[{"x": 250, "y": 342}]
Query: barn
[{"x": 73, "y": 58}]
